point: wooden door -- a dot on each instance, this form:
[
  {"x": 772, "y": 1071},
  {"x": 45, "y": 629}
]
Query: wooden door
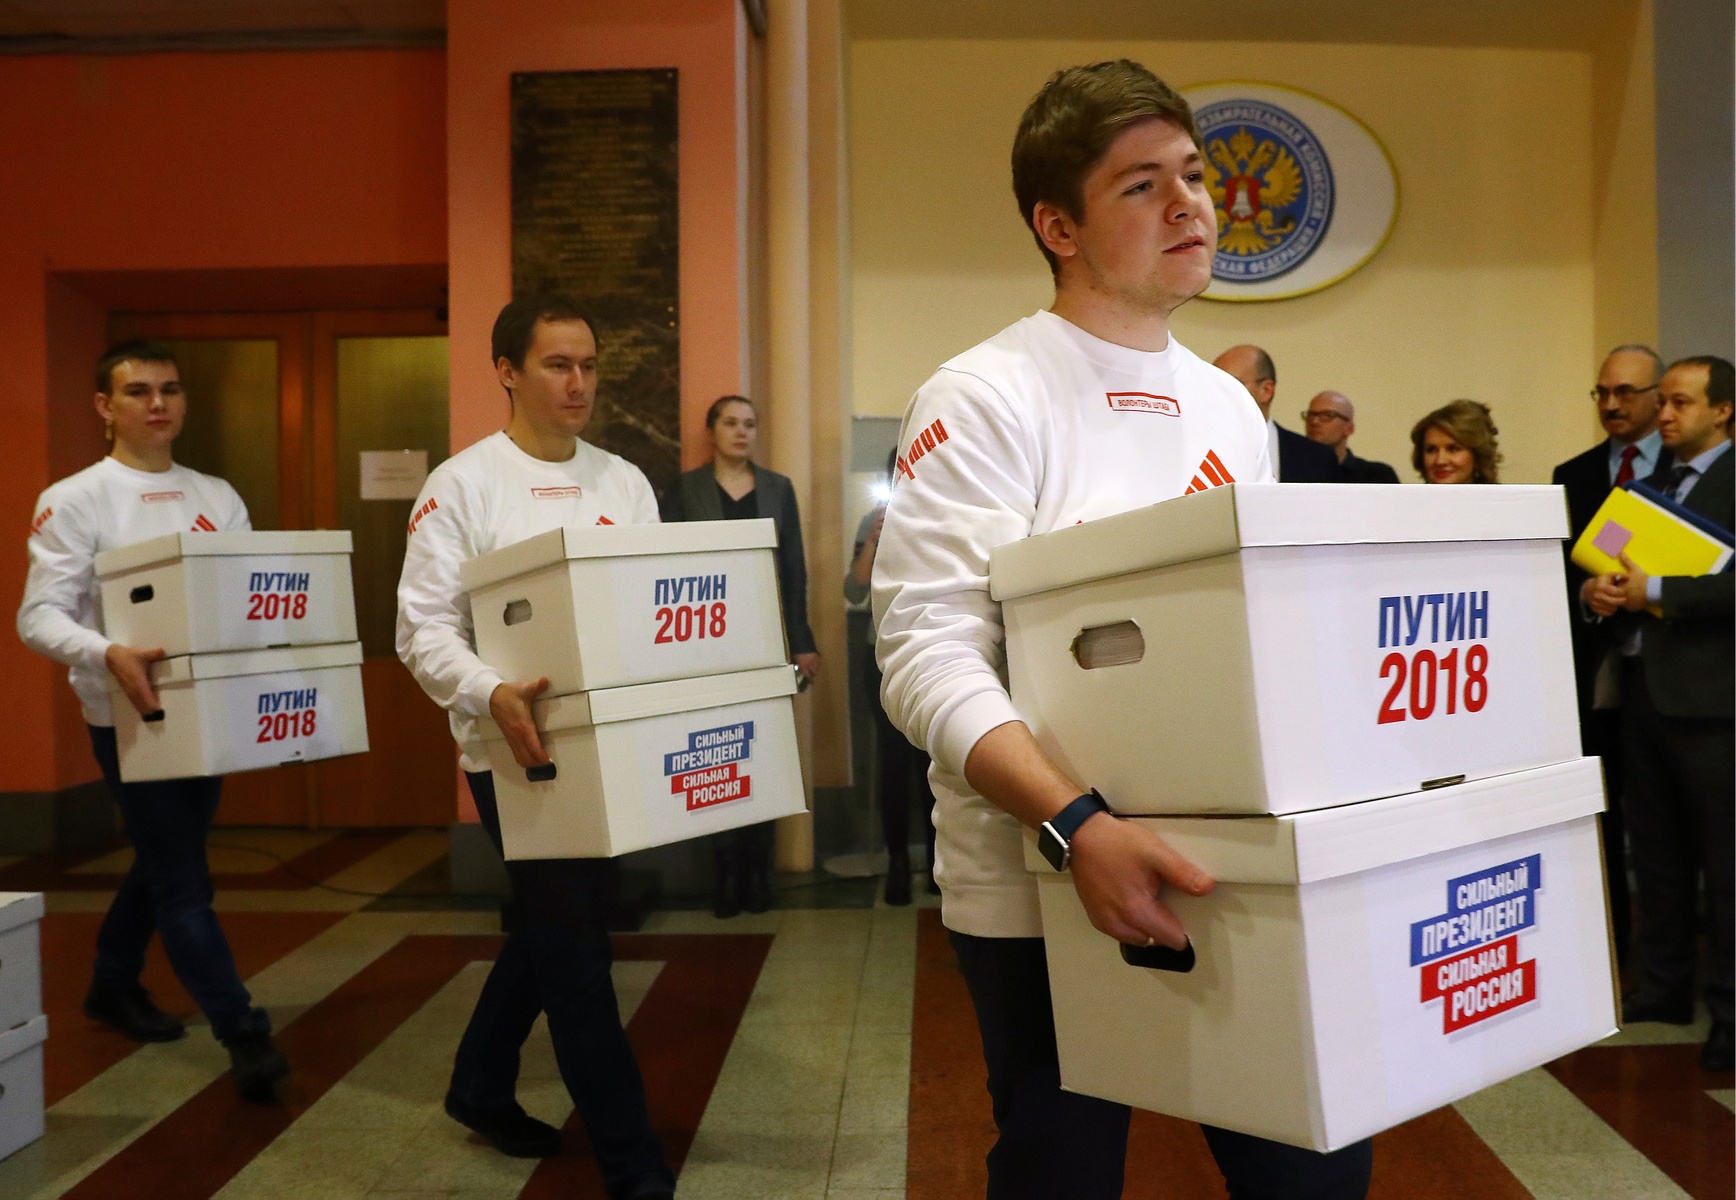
[{"x": 340, "y": 387}]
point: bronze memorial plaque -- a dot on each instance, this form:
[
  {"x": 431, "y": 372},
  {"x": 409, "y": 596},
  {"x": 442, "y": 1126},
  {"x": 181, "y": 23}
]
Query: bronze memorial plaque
[{"x": 595, "y": 216}]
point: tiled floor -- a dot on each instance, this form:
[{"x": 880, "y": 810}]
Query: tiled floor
[{"x": 808, "y": 1054}]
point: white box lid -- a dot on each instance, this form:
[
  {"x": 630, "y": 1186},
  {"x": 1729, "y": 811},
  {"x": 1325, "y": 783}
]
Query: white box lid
[
  {"x": 226, "y": 663},
  {"x": 19, "y": 908},
  {"x": 251, "y": 542},
  {"x": 615, "y": 541},
  {"x": 1329, "y": 842},
  {"x": 604, "y": 705},
  {"x": 19, "y": 1038},
  {"x": 1222, "y": 520}
]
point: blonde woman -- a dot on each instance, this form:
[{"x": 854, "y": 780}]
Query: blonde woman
[{"x": 1457, "y": 444}]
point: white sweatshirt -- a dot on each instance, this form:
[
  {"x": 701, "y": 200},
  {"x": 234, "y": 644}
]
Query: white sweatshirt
[
  {"x": 487, "y": 496},
  {"x": 1040, "y": 427},
  {"x": 103, "y": 507}
]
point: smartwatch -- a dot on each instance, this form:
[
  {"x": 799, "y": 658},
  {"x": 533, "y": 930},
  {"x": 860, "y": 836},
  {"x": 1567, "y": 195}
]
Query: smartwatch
[{"x": 1055, "y": 836}]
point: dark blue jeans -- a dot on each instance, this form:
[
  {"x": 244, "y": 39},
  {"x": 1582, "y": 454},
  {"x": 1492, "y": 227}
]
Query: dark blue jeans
[
  {"x": 556, "y": 960},
  {"x": 168, "y": 891},
  {"x": 1055, "y": 1143}
]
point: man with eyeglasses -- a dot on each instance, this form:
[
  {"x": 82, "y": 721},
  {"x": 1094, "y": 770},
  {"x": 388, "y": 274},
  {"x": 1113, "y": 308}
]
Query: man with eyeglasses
[
  {"x": 1330, "y": 419},
  {"x": 1626, "y": 396}
]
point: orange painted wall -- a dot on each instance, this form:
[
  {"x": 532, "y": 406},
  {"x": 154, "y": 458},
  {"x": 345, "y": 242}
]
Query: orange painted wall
[
  {"x": 487, "y": 40},
  {"x": 179, "y": 161}
]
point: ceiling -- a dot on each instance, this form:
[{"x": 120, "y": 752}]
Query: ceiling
[
  {"x": 120, "y": 26},
  {"x": 111, "y": 26},
  {"x": 1540, "y": 24}
]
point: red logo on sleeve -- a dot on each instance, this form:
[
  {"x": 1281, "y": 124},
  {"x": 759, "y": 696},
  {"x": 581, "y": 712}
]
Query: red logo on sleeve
[
  {"x": 422, "y": 512},
  {"x": 40, "y": 521},
  {"x": 204, "y": 525},
  {"x": 1215, "y": 473},
  {"x": 1143, "y": 402},
  {"x": 604, "y": 521},
  {"x": 924, "y": 442}
]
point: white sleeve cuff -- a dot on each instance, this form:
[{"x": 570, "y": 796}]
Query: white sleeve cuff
[
  {"x": 958, "y": 730},
  {"x": 474, "y": 693}
]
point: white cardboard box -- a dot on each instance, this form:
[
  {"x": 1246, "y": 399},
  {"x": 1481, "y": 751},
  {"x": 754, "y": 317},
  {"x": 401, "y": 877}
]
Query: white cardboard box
[
  {"x": 199, "y": 593},
  {"x": 21, "y": 1091},
  {"x": 642, "y": 766},
  {"x": 1324, "y": 1004},
  {"x": 20, "y": 957},
  {"x": 606, "y": 607},
  {"x": 244, "y": 711},
  {"x": 1282, "y": 647}
]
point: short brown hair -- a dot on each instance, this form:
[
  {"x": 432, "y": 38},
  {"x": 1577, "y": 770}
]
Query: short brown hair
[
  {"x": 1069, "y": 125},
  {"x": 1470, "y": 424},
  {"x": 131, "y": 350}
]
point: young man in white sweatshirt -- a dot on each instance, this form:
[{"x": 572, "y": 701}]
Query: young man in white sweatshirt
[
  {"x": 1088, "y": 409},
  {"x": 135, "y": 492},
  {"x": 533, "y": 476}
]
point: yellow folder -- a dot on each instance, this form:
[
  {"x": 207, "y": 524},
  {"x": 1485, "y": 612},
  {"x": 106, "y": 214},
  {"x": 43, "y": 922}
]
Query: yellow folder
[{"x": 1656, "y": 540}]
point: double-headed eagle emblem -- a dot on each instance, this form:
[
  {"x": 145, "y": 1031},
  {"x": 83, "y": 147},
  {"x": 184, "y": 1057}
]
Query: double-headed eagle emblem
[{"x": 1251, "y": 183}]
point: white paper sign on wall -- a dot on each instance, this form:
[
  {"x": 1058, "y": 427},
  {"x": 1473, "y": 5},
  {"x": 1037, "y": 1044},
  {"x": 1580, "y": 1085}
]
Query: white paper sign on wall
[{"x": 393, "y": 474}]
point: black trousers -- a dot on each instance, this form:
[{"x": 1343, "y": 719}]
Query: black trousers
[
  {"x": 556, "y": 960},
  {"x": 1680, "y": 804},
  {"x": 1600, "y": 737},
  {"x": 167, "y": 891},
  {"x": 1053, "y": 1143}
]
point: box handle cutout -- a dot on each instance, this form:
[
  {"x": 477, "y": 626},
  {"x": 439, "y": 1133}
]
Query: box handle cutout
[
  {"x": 1430, "y": 785},
  {"x": 143, "y": 593},
  {"x": 152, "y": 717},
  {"x": 540, "y": 774},
  {"x": 1160, "y": 958},
  {"x": 1114, "y": 645},
  {"x": 517, "y": 612}
]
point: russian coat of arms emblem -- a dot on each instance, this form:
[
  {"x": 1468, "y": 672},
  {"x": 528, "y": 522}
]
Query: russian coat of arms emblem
[{"x": 1271, "y": 183}]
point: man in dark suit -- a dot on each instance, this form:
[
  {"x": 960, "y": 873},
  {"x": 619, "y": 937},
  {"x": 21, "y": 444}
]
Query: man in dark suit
[
  {"x": 1626, "y": 396},
  {"x": 1330, "y": 419},
  {"x": 1679, "y": 724},
  {"x": 1294, "y": 457}
]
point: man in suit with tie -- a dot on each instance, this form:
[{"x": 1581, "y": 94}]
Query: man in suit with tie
[
  {"x": 1626, "y": 396},
  {"x": 1296, "y": 459},
  {"x": 1679, "y": 723}
]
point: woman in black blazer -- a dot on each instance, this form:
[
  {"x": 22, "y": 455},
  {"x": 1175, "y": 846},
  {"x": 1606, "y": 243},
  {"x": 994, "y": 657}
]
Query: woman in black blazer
[{"x": 732, "y": 487}]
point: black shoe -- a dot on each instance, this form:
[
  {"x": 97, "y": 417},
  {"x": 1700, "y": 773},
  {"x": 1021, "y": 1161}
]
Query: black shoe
[
  {"x": 512, "y": 1131},
  {"x": 1635, "y": 1007},
  {"x": 133, "y": 1013},
  {"x": 1715, "y": 1055},
  {"x": 726, "y": 904},
  {"x": 257, "y": 1066},
  {"x": 757, "y": 894},
  {"x": 898, "y": 887}
]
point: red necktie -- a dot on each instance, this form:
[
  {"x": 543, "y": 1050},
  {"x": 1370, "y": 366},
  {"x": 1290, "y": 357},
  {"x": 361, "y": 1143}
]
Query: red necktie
[{"x": 1626, "y": 473}]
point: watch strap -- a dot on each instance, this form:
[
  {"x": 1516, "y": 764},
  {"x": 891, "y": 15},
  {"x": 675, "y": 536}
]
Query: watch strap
[{"x": 1066, "y": 822}]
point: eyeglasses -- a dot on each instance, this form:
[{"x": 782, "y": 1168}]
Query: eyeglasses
[
  {"x": 1311, "y": 415},
  {"x": 1623, "y": 393}
]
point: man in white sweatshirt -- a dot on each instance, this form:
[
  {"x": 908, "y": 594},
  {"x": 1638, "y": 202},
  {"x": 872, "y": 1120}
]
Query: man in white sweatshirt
[
  {"x": 533, "y": 476},
  {"x": 1088, "y": 409}
]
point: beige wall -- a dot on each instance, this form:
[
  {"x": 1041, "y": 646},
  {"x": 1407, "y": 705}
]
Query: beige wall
[{"x": 1488, "y": 287}]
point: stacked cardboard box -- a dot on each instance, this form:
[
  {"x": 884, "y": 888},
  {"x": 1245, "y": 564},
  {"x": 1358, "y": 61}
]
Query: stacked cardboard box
[
  {"x": 668, "y": 714},
  {"x": 23, "y": 1028},
  {"x": 263, "y": 665},
  {"x": 1355, "y": 708}
]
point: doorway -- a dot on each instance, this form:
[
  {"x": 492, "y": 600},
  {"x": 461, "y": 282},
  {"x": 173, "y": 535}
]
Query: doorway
[{"x": 284, "y": 405}]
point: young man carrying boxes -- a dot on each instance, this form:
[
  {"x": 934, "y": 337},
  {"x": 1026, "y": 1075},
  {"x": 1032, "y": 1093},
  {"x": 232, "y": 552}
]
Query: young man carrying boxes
[
  {"x": 1080, "y": 412},
  {"x": 535, "y": 475}
]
